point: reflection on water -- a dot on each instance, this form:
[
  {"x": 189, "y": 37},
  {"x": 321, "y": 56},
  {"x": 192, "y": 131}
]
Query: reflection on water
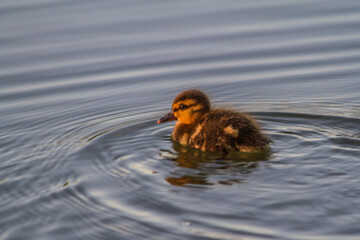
[{"x": 196, "y": 168}]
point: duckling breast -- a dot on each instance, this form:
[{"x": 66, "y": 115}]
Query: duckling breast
[{"x": 181, "y": 133}]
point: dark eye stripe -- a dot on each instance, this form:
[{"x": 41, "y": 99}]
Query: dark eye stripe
[{"x": 183, "y": 107}]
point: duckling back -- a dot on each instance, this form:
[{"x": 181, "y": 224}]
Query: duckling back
[{"x": 225, "y": 130}]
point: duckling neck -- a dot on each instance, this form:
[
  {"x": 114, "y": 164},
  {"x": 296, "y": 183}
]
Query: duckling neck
[{"x": 182, "y": 132}]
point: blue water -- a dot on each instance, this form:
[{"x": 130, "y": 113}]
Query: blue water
[{"x": 82, "y": 84}]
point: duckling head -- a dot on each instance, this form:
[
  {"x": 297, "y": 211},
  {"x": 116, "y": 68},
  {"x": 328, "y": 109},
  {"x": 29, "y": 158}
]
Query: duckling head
[{"x": 188, "y": 107}]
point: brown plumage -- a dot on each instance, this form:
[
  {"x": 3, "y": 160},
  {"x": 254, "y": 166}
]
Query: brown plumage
[{"x": 216, "y": 130}]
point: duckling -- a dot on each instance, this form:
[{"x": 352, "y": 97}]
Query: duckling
[{"x": 214, "y": 130}]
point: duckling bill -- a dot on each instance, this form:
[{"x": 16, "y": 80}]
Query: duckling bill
[{"x": 215, "y": 130}]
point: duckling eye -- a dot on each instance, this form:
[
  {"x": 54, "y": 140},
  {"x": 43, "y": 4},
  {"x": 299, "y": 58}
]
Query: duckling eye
[{"x": 182, "y": 106}]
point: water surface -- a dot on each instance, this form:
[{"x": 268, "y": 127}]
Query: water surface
[{"x": 83, "y": 83}]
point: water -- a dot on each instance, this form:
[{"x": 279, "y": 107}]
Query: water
[{"x": 83, "y": 83}]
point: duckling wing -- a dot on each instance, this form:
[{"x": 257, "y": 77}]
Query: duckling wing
[{"x": 224, "y": 130}]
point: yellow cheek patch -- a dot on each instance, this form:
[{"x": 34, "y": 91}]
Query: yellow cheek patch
[{"x": 197, "y": 108}]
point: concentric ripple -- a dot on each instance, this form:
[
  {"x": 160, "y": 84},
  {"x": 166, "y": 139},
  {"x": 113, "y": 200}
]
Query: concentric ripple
[{"x": 134, "y": 176}]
